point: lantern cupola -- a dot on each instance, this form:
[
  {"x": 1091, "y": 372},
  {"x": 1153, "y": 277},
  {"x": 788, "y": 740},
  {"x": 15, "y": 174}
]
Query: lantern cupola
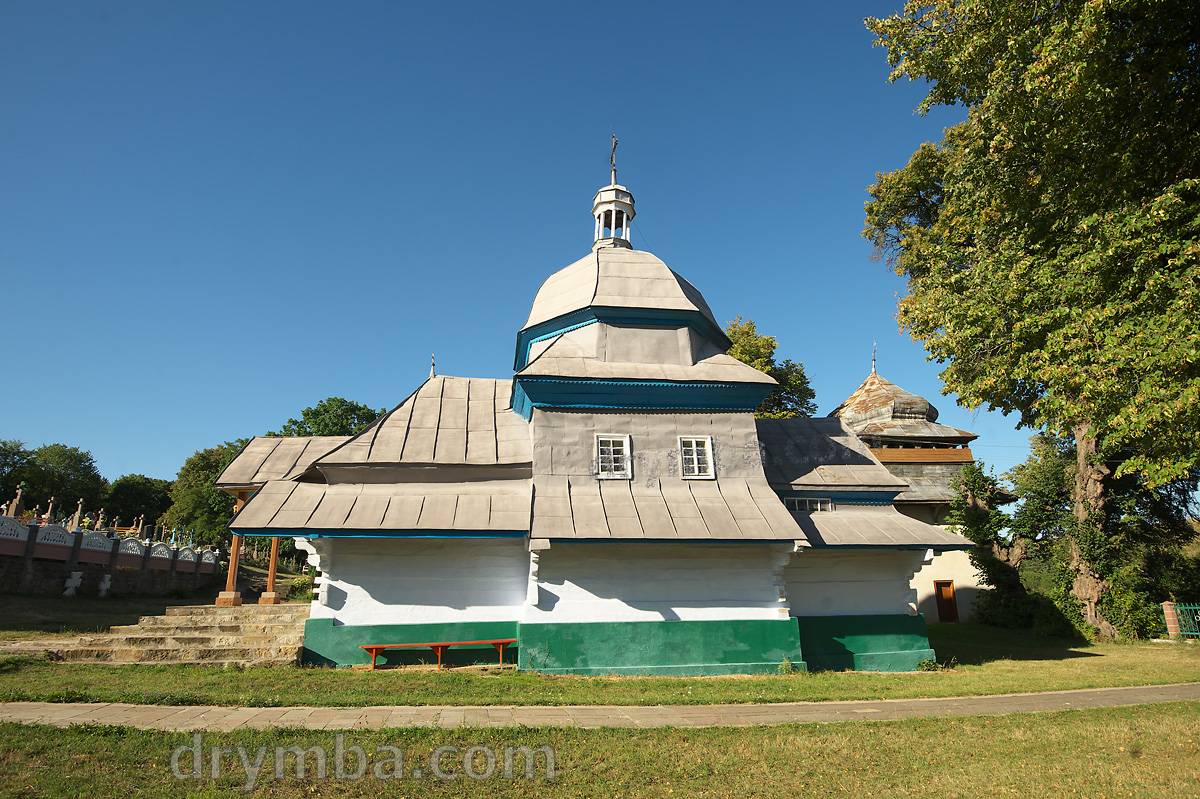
[{"x": 612, "y": 210}]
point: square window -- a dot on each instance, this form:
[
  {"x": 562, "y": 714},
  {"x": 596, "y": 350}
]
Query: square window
[
  {"x": 695, "y": 458},
  {"x": 612, "y": 457}
]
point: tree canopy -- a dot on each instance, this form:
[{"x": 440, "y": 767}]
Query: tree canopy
[
  {"x": 55, "y": 470},
  {"x": 134, "y": 495},
  {"x": 332, "y": 416},
  {"x": 1050, "y": 239},
  {"x": 793, "y": 396},
  {"x": 198, "y": 505}
]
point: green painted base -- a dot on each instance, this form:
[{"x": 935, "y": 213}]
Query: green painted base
[
  {"x": 864, "y": 643},
  {"x": 329, "y": 644},
  {"x": 660, "y": 647}
]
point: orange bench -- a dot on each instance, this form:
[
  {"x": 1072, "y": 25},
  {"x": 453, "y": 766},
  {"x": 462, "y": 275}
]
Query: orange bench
[{"x": 439, "y": 647}]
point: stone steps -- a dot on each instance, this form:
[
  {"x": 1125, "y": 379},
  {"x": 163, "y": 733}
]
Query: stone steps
[
  {"x": 222, "y": 656},
  {"x": 248, "y": 635},
  {"x": 185, "y": 640},
  {"x": 155, "y": 628}
]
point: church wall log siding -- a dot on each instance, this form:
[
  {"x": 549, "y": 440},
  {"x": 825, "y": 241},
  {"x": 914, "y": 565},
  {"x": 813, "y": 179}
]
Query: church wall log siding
[
  {"x": 392, "y": 581},
  {"x": 644, "y": 582},
  {"x": 826, "y": 582}
]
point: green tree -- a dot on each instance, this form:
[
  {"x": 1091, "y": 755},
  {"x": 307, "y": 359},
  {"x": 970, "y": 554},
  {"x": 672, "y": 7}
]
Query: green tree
[
  {"x": 1049, "y": 239},
  {"x": 133, "y": 495},
  {"x": 13, "y": 458},
  {"x": 333, "y": 416},
  {"x": 793, "y": 396},
  {"x": 63, "y": 472},
  {"x": 196, "y": 503}
]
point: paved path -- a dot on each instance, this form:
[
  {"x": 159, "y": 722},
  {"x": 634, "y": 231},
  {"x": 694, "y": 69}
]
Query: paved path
[{"x": 208, "y": 717}]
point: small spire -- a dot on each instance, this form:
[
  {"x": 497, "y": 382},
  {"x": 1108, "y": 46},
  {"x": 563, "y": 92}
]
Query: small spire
[
  {"x": 612, "y": 161},
  {"x": 874, "y": 350},
  {"x": 432, "y": 365}
]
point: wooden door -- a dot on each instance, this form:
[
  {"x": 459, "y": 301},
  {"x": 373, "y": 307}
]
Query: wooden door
[{"x": 947, "y": 604}]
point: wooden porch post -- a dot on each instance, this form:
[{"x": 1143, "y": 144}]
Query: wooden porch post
[
  {"x": 269, "y": 597},
  {"x": 231, "y": 597}
]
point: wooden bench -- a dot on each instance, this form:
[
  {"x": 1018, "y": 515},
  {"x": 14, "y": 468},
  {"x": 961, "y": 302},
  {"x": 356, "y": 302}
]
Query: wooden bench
[{"x": 439, "y": 647}]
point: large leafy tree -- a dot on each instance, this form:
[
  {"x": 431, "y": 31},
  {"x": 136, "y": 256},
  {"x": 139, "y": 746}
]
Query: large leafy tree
[
  {"x": 1050, "y": 239},
  {"x": 333, "y": 416},
  {"x": 134, "y": 495},
  {"x": 55, "y": 470},
  {"x": 196, "y": 504},
  {"x": 793, "y": 396}
]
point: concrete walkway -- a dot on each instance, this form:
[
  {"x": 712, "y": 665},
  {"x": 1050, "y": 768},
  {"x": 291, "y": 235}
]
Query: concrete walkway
[{"x": 186, "y": 718}]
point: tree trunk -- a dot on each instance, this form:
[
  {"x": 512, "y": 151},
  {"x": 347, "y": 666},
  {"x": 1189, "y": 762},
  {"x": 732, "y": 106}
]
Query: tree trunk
[{"x": 1090, "y": 508}]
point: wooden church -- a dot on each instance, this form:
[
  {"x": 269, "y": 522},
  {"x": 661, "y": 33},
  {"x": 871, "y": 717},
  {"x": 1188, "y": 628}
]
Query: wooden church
[{"x": 613, "y": 507}]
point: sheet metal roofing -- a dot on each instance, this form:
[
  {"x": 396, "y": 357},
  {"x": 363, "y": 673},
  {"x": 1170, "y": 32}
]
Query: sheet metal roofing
[
  {"x": 584, "y": 353},
  {"x": 822, "y": 454},
  {"x": 729, "y": 508},
  {"x": 448, "y": 420},
  {"x": 495, "y": 505},
  {"x": 615, "y": 277},
  {"x": 879, "y": 407},
  {"x": 268, "y": 458},
  {"x": 875, "y": 526}
]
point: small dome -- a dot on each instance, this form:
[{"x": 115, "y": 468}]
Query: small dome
[
  {"x": 615, "y": 277},
  {"x": 878, "y": 398}
]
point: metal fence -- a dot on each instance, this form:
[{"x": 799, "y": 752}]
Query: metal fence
[{"x": 1189, "y": 620}]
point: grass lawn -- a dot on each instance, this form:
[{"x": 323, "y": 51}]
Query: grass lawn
[
  {"x": 990, "y": 661},
  {"x": 51, "y": 616},
  {"x": 1152, "y": 750}
]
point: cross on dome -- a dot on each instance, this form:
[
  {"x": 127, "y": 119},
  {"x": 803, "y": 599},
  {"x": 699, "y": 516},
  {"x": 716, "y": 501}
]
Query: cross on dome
[{"x": 612, "y": 209}]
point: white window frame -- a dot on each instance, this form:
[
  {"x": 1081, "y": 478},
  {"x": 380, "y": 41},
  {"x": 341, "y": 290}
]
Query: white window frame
[
  {"x": 627, "y": 474},
  {"x": 809, "y": 504},
  {"x": 711, "y": 474}
]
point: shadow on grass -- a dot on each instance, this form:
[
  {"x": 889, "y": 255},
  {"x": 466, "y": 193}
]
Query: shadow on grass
[{"x": 975, "y": 644}]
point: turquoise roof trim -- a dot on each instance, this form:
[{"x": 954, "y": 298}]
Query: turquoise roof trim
[{"x": 558, "y": 392}]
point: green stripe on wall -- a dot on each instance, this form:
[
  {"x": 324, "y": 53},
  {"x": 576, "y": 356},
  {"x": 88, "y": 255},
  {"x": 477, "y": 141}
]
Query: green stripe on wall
[
  {"x": 864, "y": 643},
  {"x": 660, "y": 647},
  {"x": 329, "y": 644}
]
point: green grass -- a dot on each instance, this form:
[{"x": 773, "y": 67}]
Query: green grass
[
  {"x": 1151, "y": 750},
  {"x": 990, "y": 661},
  {"x": 24, "y": 617}
]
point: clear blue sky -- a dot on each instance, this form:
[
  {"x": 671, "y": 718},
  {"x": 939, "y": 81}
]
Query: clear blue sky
[{"x": 215, "y": 214}]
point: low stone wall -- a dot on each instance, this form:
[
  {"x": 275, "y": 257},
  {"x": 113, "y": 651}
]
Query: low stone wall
[{"x": 49, "y": 560}]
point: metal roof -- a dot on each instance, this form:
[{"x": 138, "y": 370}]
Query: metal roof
[
  {"x": 874, "y": 526},
  {"x": 493, "y": 505},
  {"x": 879, "y": 407},
  {"x": 601, "y": 351},
  {"x": 447, "y": 420},
  {"x": 577, "y": 507},
  {"x": 267, "y": 458},
  {"x": 615, "y": 277},
  {"x": 824, "y": 453}
]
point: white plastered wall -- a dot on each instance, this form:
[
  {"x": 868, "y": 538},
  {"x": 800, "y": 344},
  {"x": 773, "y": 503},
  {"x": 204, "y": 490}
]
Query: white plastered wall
[
  {"x": 859, "y": 582},
  {"x": 592, "y": 582},
  {"x": 420, "y": 581},
  {"x": 955, "y": 566}
]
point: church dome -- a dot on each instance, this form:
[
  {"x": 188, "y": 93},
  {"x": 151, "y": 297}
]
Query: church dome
[
  {"x": 878, "y": 398},
  {"x": 616, "y": 277}
]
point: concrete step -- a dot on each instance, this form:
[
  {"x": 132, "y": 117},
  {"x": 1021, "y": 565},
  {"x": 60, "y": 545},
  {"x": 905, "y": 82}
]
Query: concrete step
[
  {"x": 230, "y": 654},
  {"x": 236, "y": 658},
  {"x": 291, "y": 610},
  {"x": 168, "y": 627},
  {"x": 186, "y": 641}
]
